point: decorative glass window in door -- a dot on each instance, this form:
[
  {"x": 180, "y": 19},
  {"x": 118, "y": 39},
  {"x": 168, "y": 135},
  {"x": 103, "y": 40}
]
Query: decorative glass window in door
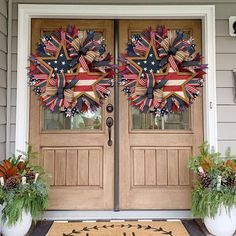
[{"x": 174, "y": 121}]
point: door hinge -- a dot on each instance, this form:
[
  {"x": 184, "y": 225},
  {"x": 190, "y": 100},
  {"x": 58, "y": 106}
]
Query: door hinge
[{"x": 211, "y": 105}]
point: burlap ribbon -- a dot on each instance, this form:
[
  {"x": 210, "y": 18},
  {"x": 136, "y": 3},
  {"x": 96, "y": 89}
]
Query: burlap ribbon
[
  {"x": 149, "y": 92},
  {"x": 83, "y": 49},
  {"x": 174, "y": 46},
  {"x": 58, "y": 94}
]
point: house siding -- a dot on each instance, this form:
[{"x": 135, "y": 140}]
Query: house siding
[
  {"x": 3, "y": 76},
  {"x": 225, "y": 62}
]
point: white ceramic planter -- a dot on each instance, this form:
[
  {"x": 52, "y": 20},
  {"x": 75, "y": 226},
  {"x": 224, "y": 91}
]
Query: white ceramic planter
[
  {"x": 223, "y": 224},
  {"x": 1, "y": 207},
  {"x": 21, "y": 227},
  {"x": 234, "y": 210}
]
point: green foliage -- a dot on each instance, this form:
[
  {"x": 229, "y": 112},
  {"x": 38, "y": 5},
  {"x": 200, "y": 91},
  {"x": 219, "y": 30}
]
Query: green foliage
[
  {"x": 215, "y": 182},
  {"x": 2, "y": 196},
  {"x": 31, "y": 197},
  {"x": 213, "y": 157},
  {"x": 205, "y": 202}
]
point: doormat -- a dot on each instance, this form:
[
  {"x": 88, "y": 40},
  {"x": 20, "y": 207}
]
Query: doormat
[{"x": 126, "y": 228}]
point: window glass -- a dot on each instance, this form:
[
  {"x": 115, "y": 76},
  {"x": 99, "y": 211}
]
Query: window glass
[
  {"x": 58, "y": 121},
  {"x": 174, "y": 121}
]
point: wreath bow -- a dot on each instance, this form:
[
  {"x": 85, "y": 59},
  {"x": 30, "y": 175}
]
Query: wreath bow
[
  {"x": 85, "y": 51},
  {"x": 58, "y": 93},
  {"x": 174, "y": 48}
]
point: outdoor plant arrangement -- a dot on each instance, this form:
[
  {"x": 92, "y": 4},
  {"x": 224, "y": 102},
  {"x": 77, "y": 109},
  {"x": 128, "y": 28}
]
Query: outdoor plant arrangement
[
  {"x": 214, "y": 195},
  {"x": 23, "y": 193}
]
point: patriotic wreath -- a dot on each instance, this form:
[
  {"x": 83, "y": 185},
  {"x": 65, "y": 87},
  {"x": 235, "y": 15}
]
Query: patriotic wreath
[
  {"x": 71, "y": 71},
  {"x": 161, "y": 71}
]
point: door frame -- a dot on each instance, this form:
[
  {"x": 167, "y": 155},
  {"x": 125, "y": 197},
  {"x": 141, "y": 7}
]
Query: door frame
[{"x": 28, "y": 11}]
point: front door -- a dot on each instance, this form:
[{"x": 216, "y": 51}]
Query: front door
[
  {"x": 153, "y": 152},
  {"x": 74, "y": 151}
]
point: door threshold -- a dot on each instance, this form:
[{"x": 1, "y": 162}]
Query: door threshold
[{"x": 116, "y": 215}]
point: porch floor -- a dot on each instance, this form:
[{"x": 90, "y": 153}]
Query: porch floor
[{"x": 194, "y": 228}]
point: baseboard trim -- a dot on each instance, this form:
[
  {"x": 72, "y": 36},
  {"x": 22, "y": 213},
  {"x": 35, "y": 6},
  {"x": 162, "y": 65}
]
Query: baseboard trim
[{"x": 116, "y": 215}]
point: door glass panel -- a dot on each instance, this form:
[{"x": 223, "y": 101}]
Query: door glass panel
[
  {"x": 88, "y": 120},
  {"x": 174, "y": 121}
]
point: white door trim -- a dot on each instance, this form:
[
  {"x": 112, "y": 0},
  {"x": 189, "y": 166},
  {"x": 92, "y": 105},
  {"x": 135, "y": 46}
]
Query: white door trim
[{"x": 28, "y": 11}]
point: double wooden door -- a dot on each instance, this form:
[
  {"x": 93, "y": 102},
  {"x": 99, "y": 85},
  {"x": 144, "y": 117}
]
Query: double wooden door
[{"x": 153, "y": 152}]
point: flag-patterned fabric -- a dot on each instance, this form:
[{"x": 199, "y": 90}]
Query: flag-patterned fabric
[
  {"x": 71, "y": 71},
  {"x": 168, "y": 59}
]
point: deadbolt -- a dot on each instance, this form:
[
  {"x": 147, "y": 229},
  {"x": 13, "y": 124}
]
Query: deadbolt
[{"x": 109, "y": 108}]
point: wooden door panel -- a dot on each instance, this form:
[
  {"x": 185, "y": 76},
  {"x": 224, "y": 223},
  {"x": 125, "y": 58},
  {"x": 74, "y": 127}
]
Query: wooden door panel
[
  {"x": 79, "y": 161},
  {"x": 153, "y": 162},
  {"x": 150, "y": 167},
  {"x": 184, "y": 172},
  {"x": 83, "y": 167},
  {"x": 161, "y": 167},
  {"x": 74, "y": 166},
  {"x": 154, "y": 166}
]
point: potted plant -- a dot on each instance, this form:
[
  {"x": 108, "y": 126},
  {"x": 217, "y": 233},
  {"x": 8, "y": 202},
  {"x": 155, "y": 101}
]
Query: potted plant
[
  {"x": 214, "y": 194},
  {"x": 2, "y": 197},
  {"x": 23, "y": 192}
]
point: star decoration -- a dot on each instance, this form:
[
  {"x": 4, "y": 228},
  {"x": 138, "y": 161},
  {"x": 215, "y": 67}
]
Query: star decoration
[
  {"x": 147, "y": 64},
  {"x": 86, "y": 84},
  {"x": 58, "y": 64},
  {"x": 175, "y": 84}
]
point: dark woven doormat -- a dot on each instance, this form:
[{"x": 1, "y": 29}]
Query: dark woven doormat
[{"x": 42, "y": 227}]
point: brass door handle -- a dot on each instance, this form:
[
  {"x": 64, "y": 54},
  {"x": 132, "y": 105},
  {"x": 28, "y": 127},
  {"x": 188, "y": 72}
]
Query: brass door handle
[{"x": 109, "y": 123}]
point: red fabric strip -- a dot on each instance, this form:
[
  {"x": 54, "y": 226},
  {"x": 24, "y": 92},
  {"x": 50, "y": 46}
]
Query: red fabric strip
[
  {"x": 172, "y": 88},
  {"x": 82, "y": 76},
  {"x": 83, "y": 88},
  {"x": 173, "y": 76}
]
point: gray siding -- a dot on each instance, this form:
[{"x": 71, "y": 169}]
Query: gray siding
[
  {"x": 225, "y": 60},
  {"x": 3, "y": 76}
]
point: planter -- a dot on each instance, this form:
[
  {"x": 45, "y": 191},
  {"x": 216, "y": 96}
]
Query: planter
[
  {"x": 1, "y": 207},
  {"x": 223, "y": 224},
  {"x": 21, "y": 227},
  {"x": 234, "y": 209}
]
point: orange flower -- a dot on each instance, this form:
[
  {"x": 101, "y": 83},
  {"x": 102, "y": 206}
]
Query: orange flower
[
  {"x": 21, "y": 165},
  {"x": 206, "y": 163},
  {"x": 231, "y": 164},
  {"x": 7, "y": 170}
]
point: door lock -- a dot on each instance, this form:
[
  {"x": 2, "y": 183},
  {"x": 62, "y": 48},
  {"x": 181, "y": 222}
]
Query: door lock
[
  {"x": 109, "y": 123},
  {"x": 109, "y": 108}
]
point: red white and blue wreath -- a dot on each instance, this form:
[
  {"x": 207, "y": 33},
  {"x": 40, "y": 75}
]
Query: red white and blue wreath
[
  {"x": 161, "y": 71},
  {"x": 71, "y": 71}
]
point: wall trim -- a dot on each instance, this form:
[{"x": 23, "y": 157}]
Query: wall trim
[
  {"x": 9, "y": 78},
  {"x": 28, "y": 11}
]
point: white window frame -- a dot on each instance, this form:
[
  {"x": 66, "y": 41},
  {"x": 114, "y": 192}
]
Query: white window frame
[{"x": 28, "y": 11}]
